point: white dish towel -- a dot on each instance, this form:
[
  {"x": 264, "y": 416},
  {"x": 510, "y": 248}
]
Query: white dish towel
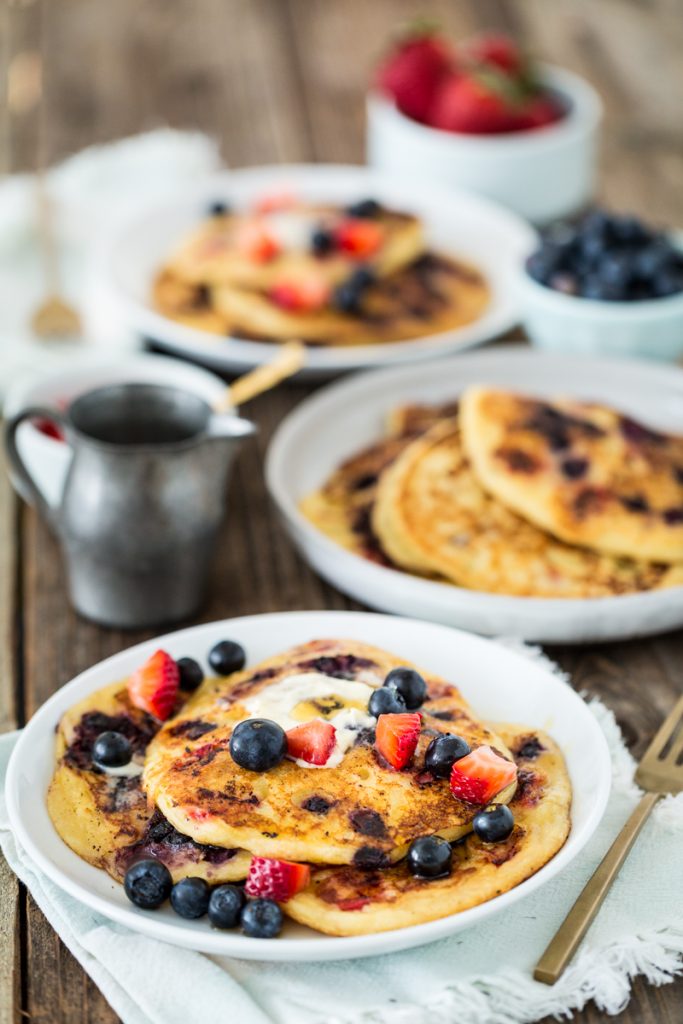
[{"x": 479, "y": 976}]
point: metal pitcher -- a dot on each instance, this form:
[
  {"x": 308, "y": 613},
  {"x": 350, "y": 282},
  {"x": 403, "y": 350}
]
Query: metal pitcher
[{"x": 143, "y": 499}]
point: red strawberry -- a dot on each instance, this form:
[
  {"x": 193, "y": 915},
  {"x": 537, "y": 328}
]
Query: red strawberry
[
  {"x": 412, "y": 73},
  {"x": 154, "y": 686},
  {"x": 467, "y": 104},
  {"x": 480, "y": 775},
  {"x": 276, "y": 879},
  {"x": 396, "y": 737},
  {"x": 359, "y": 238},
  {"x": 541, "y": 111},
  {"x": 305, "y": 294},
  {"x": 313, "y": 741},
  {"x": 256, "y": 243},
  {"x": 497, "y": 50}
]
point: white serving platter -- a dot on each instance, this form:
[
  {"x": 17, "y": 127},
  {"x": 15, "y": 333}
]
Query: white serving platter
[
  {"x": 490, "y": 237},
  {"x": 502, "y": 685},
  {"x": 342, "y": 418}
]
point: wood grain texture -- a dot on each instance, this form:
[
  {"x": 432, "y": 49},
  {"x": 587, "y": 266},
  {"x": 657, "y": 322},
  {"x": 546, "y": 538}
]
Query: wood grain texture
[{"x": 283, "y": 80}]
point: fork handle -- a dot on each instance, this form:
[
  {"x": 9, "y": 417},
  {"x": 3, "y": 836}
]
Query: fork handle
[{"x": 577, "y": 922}]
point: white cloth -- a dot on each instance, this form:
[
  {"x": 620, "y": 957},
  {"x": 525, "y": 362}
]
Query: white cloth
[
  {"x": 89, "y": 194},
  {"x": 479, "y": 976}
]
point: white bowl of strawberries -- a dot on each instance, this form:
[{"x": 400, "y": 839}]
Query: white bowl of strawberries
[{"x": 484, "y": 117}]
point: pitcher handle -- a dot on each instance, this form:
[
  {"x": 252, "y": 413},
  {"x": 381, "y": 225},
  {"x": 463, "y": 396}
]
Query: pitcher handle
[{"x": 36, "y": 496}]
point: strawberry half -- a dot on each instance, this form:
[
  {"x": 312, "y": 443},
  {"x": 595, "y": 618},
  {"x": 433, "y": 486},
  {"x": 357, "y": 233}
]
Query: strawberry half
[
  {"x": 359, "y": 238},
  {"x": 396, "y": 737},
  {"x": 154, "y": 686},
  {"x": 257, "y": 244},
  {"x": 480, "y": 775},
  {"x": 304, "y": 294},
  {"x": 312, "y": 742},
  {"x": 276, "y": 879}
]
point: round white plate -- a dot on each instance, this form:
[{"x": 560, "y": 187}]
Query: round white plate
[
  {"x": 47, "y": 458},
  {"x": 492, "y": 238},
  {"x": 501, "y": 685},
  {"x": 342, "y": 418}
]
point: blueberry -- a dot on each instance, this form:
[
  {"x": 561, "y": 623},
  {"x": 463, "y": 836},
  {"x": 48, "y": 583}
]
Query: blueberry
[
  {"x": 667, "y": 282},
  {"x": 596, "y": 223},
  {"x": 429, "y": 857},
  {"x": 546, "y": 261},
  {"x": 190, "y": 898},
  {"x": 191, "y": 675},
  {"x": 111, "y": 750},
  {"x": 386, "y": 702},
  {"x": 654, "y": 259},
  {"x": 494, "y": 824},
  {"x": 225, "y": 906},
  {"x": 148, "y": 883},
  {"x": 258, "y": 744},
  {"x": 630, "y": 231},
  {"x": 617, "y": 270},
  {"x": 594, "y": 288},
  {"x": 348, "y": 295},
  {"x": 366, "y": 208},
  {"x": 218, "y": 209},
  {"x": 227, "y": 657},
  {"x": 322, "y": 242},
  {"x": 262, "y": 919},
  {"x": 409, "y": 684},
  {"x": 443, "y": 752}
]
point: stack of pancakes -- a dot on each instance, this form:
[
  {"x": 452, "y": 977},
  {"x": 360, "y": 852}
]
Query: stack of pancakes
[
  {"x": 514, "y": 495},
  {"x": 211, "y": 283}
]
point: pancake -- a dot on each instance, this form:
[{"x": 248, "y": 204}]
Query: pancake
[
  {"x": 357, "y": 811},
  {"x": 349, "y": 901},
  {"x": 584, "y": 472},
  {"x": 106, "y": 819},
  {"x": 431, "y": 515}
]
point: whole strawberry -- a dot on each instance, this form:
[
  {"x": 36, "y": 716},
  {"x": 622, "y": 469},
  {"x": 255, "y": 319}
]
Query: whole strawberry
[
  {"x": 413, "y": 71},
  {"x": 497, "y": 51},
  {"x": 467, "y": 103}
]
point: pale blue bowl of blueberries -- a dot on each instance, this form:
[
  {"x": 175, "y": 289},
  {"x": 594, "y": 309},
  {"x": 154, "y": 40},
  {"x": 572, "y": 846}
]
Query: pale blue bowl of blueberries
[{"x": 606, "y": 284}]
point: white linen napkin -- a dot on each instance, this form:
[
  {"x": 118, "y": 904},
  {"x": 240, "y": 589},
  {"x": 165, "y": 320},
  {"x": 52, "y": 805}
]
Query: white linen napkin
[
  {"x": 90, "y": 193},
  {"x": 478, "y": 976}
]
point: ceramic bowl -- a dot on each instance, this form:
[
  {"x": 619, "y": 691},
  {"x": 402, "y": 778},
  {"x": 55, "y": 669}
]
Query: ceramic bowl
[{"x": 541, "y": 174}]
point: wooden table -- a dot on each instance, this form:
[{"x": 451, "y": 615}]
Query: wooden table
[{"x": 282, "y": 80}]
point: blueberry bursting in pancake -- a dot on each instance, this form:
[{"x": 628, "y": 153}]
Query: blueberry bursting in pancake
[{"x": 585, "y": 473}]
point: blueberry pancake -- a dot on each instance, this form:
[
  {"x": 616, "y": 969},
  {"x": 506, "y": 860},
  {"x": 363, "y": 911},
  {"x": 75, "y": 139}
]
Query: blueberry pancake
[
  {"x": 103, "y": 814},
  {"x": 584, "y": 472},
  {"x": 352, "y": 808},
  {"x": 431, "y": 515},
  {"x": 350, "y": 901}
]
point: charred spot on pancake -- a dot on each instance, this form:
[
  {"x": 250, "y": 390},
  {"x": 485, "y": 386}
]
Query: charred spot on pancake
[
  {"x": 192, "y": 729},
  {"x": 636, "y": 503},
  {"x": 364, "y": 481},
  {"x": 518, "y": 461},
  {"x": 443, "y": 716},
  {"x": 574, "y": 469},
  {"x": 589, "y": 500},
  {"x": 637, "y": 433},
  {"x": 339, "y": 666},
  {"x": 370, "y": 857},
  {"x": 138, "y": 732},
  {"x": 221, "y": 796},
  {"x": 270, "y": 835},
  {"x": 673, "y": 516},
  {"x": 500, "y": 853},
  {"x": 317, "y": 804},
  {"x": 528, "y": 748},
  {"x": 529, "y": 787},
  {"x": 368, "y": 823}
]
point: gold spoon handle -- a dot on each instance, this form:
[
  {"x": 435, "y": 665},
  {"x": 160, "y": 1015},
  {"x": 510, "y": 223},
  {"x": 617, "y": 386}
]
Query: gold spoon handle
[
  {"x": 577, "y": 922},
  {"x": 288, "y": 361}
]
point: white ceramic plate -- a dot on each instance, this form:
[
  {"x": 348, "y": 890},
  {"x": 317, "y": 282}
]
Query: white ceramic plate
[
  {"x": 344, "y": 417},
  {"x": 490, "y": 237},
  {"x": 48, "y": 459},
  {"x": 501, "y": 685}
]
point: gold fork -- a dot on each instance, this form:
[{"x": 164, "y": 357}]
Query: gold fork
[{"x": 660, "y": 772}]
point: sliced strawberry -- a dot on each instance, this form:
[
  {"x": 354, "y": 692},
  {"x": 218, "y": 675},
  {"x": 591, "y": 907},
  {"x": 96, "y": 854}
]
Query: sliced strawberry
[
  {"x": 312, "y": 742},
  {"x": 256, "y": 243},
  {"x": 154, "y": 686},
  {"x": 480, "y": 775},
  {"x": 412, "y": 72},
  {"x": 276, "y": 879},
  {"x": 304, "y": 294},
  {"x": 359, "y": 238},
  {"x": 396, "y": 737}
]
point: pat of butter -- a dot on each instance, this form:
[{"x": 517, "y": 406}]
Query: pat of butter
[{"x": 291, "y": 701}]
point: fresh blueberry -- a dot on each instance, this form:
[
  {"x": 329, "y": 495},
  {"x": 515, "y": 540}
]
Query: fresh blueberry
[
  {"x": 322, "y": 242},
  {"x": 594, "y": 288},
  {"x": 148, "y": 883},
  {"x": 190, "y": 898},
  {"x": 653, "y": 259},
  {"x": 596, "y": 223},
  {"x": 546, "y": 261},
  {"x": 409, "y": 684},
  {"x": 227, "y": 657},
  {"x": 386, "y": 702},
  {"x": 366, "y": 208},
  {"x": 225, "y": 906},
  {"x": 667, "y": 282},
  {"x": 258, "y": 744},
  {"x": 348, "y": 295},
  {"x": 443, "y": 752},
  {"x": 191, "y": 675},
  {"x": 617, "y": 270},
  {"x": 111, "y": 750},
  {"x": 630, "y": 231},
  {"x": 218, "y": 209},
  {"x": 262, "y": 919},
  {"x": 429, "y": 857},
  {"x": 494, "y": 824}
]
